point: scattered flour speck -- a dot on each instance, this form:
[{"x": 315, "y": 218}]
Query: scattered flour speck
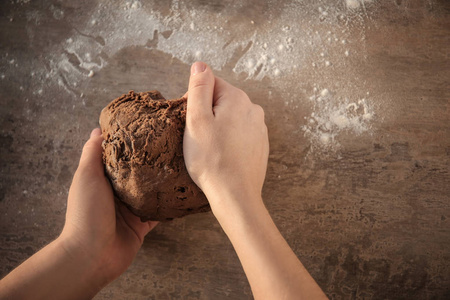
[
  {"x": 332, "y": 116},
  {"x": 352, "y": 4},
  {"x": 324, "y": 92},
  {"x": 355, "y": 4}
]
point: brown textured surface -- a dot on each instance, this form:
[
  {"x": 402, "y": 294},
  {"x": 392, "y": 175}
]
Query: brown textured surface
[
  {"x": 143, "y": 156},
  {"x": 371, "y": 221}
]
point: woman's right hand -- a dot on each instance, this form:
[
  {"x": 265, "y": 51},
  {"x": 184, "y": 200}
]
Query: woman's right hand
[{"x": 226, "y": 144}]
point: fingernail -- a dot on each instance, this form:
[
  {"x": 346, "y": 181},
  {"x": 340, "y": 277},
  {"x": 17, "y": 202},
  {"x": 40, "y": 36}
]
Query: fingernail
[
  {"x": 96, "y": 132},
  {"x": 198, "y": 67}
]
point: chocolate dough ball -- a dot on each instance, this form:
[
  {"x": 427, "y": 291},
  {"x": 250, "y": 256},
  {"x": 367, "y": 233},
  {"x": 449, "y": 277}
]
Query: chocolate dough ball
[{"x": 143, "y": 156}]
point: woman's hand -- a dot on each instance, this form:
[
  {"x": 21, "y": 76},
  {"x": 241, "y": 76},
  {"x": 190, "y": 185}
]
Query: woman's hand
[
  {"x": 96, "y": 226},
  {"x": 226, "y": 143},
  {"x": 99, "y": 241}
]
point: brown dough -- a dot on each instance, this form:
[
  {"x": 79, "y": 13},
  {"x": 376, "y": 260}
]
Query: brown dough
[{"x": 143, "y": 156}]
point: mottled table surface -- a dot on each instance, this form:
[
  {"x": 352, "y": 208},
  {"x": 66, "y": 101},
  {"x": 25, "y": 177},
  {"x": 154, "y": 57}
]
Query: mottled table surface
[{"x": 357, "y": 102}]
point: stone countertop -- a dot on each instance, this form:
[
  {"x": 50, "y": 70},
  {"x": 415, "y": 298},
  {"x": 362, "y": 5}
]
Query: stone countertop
[{"x": 356, "y": 95}]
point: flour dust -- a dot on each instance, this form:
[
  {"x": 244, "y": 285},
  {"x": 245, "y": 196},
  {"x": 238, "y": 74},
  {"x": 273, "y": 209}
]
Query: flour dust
[{"x": 317, "y": 38}]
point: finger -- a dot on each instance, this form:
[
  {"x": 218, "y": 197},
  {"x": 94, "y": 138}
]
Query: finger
[
  {"x": 201, "y": 89},
  {"x": 152, "y": 224},
  {"x": 221, "y": 88},
  {"x": 224, "y": 90},
  {"x": 134, "y": 223},
  {"x": 95, "y": 132},
  {"x": 91, "y": 157}
]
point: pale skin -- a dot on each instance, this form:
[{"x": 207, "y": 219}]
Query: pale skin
[{"x": 226, "y": 150}]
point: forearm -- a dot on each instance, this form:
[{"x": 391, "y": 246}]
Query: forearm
[
  {"x": 273, "y": 270},
  {"x": 53, "y": 273}
]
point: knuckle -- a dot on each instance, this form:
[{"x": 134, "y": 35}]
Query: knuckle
[
  {"x": 199, "y": 82},
  {"x": 241, "y": 94},
  {"x": 259, "y": 111}
]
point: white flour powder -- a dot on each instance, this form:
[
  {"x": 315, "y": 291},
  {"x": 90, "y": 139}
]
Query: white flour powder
[
  {"x": 332, "y": 116},
  {"x": 302, "y": 37}
]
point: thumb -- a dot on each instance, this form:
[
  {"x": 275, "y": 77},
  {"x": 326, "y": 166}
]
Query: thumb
[
  {"x": 91, "y": 157},
  {"x": 200, "y": 93}
]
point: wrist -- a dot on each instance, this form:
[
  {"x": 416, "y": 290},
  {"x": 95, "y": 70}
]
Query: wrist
[
  {"x": 86, "y": 267},
  {"x": 230, "y": 206}
]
